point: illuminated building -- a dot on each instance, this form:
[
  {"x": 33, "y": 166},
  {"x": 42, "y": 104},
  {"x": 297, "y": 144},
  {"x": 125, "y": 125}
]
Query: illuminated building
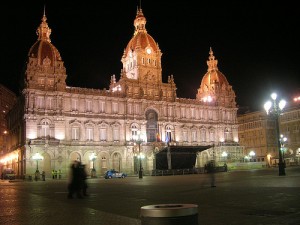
[{"x": 66, "y": 123}]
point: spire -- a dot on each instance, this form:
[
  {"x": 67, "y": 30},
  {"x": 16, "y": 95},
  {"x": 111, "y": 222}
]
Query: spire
[
  {"x": 43, "y": 31},
  {"x": 212, "y": 62},
  {"x": 140, "y": 21}
]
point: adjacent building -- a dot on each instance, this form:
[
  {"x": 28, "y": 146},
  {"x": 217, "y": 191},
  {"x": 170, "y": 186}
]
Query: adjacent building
[{"x": 257, "y": 134}]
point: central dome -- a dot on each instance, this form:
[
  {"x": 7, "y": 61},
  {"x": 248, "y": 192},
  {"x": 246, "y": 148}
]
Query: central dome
[{"x": 141, "y": 39}]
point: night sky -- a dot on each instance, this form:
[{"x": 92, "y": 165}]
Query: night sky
[{"x": 257, "y": 44}]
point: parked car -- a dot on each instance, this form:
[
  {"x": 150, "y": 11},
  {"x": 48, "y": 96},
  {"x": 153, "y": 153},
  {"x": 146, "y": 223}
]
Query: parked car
[{"x": 114, "y": 174}]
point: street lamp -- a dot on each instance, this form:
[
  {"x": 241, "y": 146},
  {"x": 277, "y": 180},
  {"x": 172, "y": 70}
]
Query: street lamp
[
  {"x": 37, "y": 156},
  {"x": 274, "y": 108},
  {"x": 93, "y": 158},
  {"x": 224, "y": 155},
  {"x": 139, "y": 140},
  {"x": 252, "y": 154}
]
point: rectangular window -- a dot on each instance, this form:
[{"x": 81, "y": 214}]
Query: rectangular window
[
  {"x": 185, "y": 136},
  {"x": 40, "y": 102},
  {"x": 102, "y": 134},
  {"x": 202, "y": 135},
  {"x": 102, "y": 106},
  {"x": 75, "y": 133},
  {"x": 129, "y": 109},
  {"x": 89, "y": 134},
  {"x": 89, "y": 106},
  {"x": 194, "y": 136},
  {"x": 115, "y": 107},
  {"x": 74, "y": 104},
  {"x": 116, "y": 134},
  {"x": 137, "y": 111},
  {"x": 182, "y": 112},
  {"x": 192, "y": 113},
  {"x": 50, "y": 103},
  {"x": 170, "y": 111}
]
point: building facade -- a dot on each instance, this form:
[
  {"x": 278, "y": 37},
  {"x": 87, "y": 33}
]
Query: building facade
[
  {"x": 101, "y": 128},
  {"x": 7, "y": 101},
  {"x": 257, "y": 133}
]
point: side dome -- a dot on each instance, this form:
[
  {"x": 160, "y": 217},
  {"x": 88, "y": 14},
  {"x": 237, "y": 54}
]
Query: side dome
[
  {"x": 45, "y": 68},
  {"x": 141, "y": 39},
  {"x": 214, "y": 87}
]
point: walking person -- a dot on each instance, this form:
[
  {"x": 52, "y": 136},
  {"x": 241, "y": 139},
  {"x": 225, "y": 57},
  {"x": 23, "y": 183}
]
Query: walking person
[
  {"x": 75, "y": 183},
  {"x": 83, "y": 181},
  {"x": 43, "y": 175},
  {"x": 53, "y": 174},
  {"x": 211, "y": 171}
]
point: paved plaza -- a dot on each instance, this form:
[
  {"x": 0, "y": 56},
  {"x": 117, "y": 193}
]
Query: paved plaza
[{"x": 239, "y": 198}]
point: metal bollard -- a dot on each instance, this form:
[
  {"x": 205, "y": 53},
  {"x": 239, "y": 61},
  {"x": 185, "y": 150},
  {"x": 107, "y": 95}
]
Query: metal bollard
[{"x": 169, "y": 214}]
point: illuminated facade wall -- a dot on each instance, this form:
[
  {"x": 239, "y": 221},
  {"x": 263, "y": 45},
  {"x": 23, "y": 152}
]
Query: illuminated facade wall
[{"x": 71, "y": 123}]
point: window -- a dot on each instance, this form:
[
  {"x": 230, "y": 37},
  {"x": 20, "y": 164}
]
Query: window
[
  {"x": 182, "y": 112},
  {"x": 74, "y": 104},
  {"x": 88, "y": 106},
  {"x": 192, "y": 113},
  {"x": 75, "y": 133},
  {"x": 115, "y": 107},
  {"x": 137, "y": 109},
  {"x": 101, "y": 106},
  {"x": 40, "y": 102},
  {"x": 89, "y": 134},
  {"x": 134, "y": 131},
  {"x": 194, "y": 135},
  {"x": 211, "y": 136},
  {"x": 185, "y": 136},
  {"x": 170, "y": 111},
  {"x": 45, "y": 129},
  {"x": 103, "y": 134},
  {"x": 116, "y": 133},
  {"x": 202, "y": 135},
  {"x": 50, "y": 103},
  {"x": 129, "y": 109}
]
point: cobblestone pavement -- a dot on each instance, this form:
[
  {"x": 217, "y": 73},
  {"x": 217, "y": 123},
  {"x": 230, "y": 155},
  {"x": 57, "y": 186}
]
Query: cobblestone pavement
[{"x": 240, "y": 197}]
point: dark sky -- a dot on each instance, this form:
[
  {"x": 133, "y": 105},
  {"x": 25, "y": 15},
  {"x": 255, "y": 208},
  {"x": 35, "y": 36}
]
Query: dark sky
[{"x": 257, "y": 44}]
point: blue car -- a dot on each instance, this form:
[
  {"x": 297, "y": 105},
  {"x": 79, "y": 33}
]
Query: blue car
[{"x": 114, "y": 174}]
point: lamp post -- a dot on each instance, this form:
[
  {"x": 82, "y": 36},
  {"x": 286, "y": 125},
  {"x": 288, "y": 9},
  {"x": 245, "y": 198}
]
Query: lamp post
[
  {"x": 283, "y": 140},
  {"x": 93, "y": 158},
  {"x": 139, "y": 140},
  {"x": 37, "y": 156},
  {"x": 274, "y": 108}
]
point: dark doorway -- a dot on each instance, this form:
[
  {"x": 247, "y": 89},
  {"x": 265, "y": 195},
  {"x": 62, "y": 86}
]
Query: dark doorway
[{"x": 151, "y": 127}]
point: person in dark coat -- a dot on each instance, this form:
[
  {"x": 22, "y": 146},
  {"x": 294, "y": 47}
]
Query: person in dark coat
[
  {"x": 75, "y": 184},
  {"x": 83, "y": 177}
]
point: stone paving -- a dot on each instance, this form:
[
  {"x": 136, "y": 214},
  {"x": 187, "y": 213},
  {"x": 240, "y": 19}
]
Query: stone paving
[{"x": 260, "y": 199}]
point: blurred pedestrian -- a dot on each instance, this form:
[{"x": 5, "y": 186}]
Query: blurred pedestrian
[
  {"x": 211, "y": 171},
  {"x": 84, "y": 185},
  {"x": 75, "y": 183},
  {"x": 43, "y": 175},
  {"x": 53, "y": 174}
]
